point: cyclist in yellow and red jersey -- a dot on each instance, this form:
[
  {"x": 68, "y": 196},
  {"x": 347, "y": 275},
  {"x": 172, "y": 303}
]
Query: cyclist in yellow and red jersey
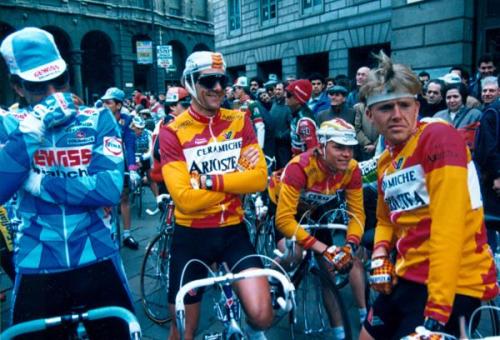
[
  {"x": 210, "y": 157},
  {"x": 429, "y": 208},
  {"x": 320, "y": 179}
]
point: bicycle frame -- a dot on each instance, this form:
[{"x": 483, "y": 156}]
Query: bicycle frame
[{"x": 286, "y": 304}]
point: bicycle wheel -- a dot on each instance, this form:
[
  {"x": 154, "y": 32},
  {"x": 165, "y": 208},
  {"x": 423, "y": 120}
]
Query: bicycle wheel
[
  {"x": 155, "y": 279},
  {"x": 489, "y": 321},
  {"x": 320, "y": 312}
]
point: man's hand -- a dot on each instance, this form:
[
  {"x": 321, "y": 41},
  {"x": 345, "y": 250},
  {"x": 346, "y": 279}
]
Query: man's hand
[
  {"x": 339, "y": 258},
  {"x": 383, "y": 276},
  {"x": 248, "y": 159},
  {"x": 135, "y": 179}
]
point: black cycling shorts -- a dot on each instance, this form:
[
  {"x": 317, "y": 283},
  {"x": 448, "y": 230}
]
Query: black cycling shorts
[
  {"x": 220, "y": 244},
  {"x": 398, "y": 314},
  {"x": 48, "y": 295}
]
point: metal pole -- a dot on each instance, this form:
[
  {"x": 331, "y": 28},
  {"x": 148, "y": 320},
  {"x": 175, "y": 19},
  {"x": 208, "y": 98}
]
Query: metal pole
[{"x": 153, "y": 41}]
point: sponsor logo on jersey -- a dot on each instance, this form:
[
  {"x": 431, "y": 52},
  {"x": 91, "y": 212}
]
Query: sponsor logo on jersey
[
  {"x": 405, "y": 190},
  {"x": 316, "y": 197},
  {"x": 63, "y": 157},
  {"x": 228, "y": 135},
  {"x": 199, "y": 141},
  {"x": 214, "y": 158},
  {"x": 112, "y": 146}
]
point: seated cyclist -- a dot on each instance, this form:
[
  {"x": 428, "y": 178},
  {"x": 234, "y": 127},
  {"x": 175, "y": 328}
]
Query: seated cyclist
[
  {"x": 312, "y": 180},
  {"x": 210, "y": 157},
  {"x": 429, "y": 209}
]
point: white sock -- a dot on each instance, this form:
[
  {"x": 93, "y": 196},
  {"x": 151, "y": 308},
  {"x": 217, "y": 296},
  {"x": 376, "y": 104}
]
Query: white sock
[
  {"x": 338, "y": 332},
  {"x": 362, "y": 315},
  {"x": 126, "y": 233}
]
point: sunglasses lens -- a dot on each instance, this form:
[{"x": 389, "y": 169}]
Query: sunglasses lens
[{"x": 209, "y": 81}]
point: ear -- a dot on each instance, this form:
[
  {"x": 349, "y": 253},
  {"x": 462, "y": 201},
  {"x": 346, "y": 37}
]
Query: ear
[{"x": 368, "y": 113}]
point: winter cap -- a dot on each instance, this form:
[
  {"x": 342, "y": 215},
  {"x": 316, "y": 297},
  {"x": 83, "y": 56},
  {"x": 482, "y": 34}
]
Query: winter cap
[
  {"x": 175, "y": 94},
  {"x": 272, "y": 80},
  {"x": 451, "y": 78},
  {"x": 301, "y": 89},
  {"x": 337, "y": 89},
  {"x": 32, "y": 54},
  {"x": 242, "y": 82},
  {"x": 138, "y": 122}
]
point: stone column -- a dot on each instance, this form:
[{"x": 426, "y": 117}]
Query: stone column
[
  {"x": 116, "y": 63},
  {"x": 76, "y": 64}
]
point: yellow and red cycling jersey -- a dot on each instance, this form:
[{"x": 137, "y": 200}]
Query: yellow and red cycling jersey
[
  {"x": 430, "y": 208},
  {"x": 194, "y": 143},
  {"x": 307, "y": 180}
]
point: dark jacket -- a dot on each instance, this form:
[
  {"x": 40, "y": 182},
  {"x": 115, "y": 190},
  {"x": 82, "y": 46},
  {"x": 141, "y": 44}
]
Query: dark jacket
[{"x": 339, "y": 111}]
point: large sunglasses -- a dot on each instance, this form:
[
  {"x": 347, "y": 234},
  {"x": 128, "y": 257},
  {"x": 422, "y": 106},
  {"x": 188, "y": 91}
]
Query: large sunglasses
[
  {"x": 209, "y": 80},
  {"x": 289, "y": 94},
  {"x": 41, "y": 87}
]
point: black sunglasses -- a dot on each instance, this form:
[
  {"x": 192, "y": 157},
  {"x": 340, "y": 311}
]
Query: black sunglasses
[
  {"x": 289, "y": 94},
  {"x": 209, "y": 80}
]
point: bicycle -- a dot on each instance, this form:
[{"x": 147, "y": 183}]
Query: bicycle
[
  {"x": 155, "y": 266},
  {"x": 76, "y": 322},
  {"x": 228, "y": 307}
]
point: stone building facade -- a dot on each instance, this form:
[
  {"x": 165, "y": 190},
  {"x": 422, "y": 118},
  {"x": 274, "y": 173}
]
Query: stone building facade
[
  {"x": 98, "y": 39},
  {"x": 296, "y": 37}
]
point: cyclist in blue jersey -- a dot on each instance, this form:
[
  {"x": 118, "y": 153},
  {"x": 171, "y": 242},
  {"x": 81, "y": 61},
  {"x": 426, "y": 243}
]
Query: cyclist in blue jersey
[
  {"x": 113, "y": 100},
  {"x": 66, "y": 163}
]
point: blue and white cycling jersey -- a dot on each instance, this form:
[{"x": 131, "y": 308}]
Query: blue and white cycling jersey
[{"x": 66, "y": 225}]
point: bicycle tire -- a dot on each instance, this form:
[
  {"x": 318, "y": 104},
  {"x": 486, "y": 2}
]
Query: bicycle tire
[
  {"x": 265, "y": 240},
  {"x": 155, "y": 279},
  {"x": 304, "y": 296}
]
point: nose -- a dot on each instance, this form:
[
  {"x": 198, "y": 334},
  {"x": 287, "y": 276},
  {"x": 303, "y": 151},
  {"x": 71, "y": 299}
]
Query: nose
[
  {"x": 217, "y": 86},
  {"x": 397, "y": 112}
]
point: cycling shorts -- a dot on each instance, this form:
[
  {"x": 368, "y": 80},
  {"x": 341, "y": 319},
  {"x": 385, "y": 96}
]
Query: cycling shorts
[
  {"x": 209, "y": 245},
  {"x": 96, "y": 285},
  {"x": 396, "y": 315}
]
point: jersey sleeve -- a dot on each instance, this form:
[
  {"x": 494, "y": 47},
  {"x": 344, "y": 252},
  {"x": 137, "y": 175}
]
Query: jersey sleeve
[
  {"x": 384, "y": 231},
  {"x": 129, "y": 139},
  {"x": 104, "y": 183},
  {"x": 354, "y": 198},
  {"x": 177, "y": 178},
  {"x": 16, "y": 152},
  {"x": 247, "y": 181},
  {"x": 294, "y": 179},
  {"x": 445, "y": 162}
]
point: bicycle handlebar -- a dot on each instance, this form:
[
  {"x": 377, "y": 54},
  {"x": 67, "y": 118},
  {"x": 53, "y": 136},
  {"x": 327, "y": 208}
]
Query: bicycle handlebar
[
  {"x": 331, "y": 226},
  {"x": 134, "y": 327},
  {"x": 286, "y": 304}
]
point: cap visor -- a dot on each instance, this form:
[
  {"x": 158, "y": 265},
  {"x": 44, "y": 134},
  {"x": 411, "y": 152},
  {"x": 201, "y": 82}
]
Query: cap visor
[{"x": 45, "y": 72}]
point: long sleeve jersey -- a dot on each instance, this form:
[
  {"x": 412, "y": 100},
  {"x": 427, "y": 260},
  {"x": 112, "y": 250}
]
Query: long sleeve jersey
[
  {"x": 81, "y": 163},
  {"x": 194, "y": 143},
  {"x": 429, "y": 204},
  {"x": 307, "y": 180}
]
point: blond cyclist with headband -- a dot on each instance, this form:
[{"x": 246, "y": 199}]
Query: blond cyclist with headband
[
  {"x": 210, "y": 157},
  {"x": 429, "y": 209}
]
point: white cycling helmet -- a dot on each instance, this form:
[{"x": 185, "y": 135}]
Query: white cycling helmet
[
  {"x": 197, "y": 62},
  {"x": 138, "y": 122},
  {"x": 337, "y": 130}
]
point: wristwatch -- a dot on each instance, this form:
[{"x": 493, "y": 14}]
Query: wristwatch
[{"x": 209, "y": 182}]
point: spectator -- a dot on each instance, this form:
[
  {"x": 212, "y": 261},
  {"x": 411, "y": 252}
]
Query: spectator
[
  {"x": 361, "y": 76},
  {"x": 281, "y": 116},
  {"x": 489, "y": 91},
  {"x": 456, "y": 113},
  {"x": 485, "y": 68},
  {"x": 454, "y": 78},
  {"x": 298, "y": 93},
  {"x": 264, "y": 105},
  {"x": 157, "y": 109},
  {"x": 366, "y": 134},
  {"x": 424, "y": 77},
  {"x": 270, "y": 84},
  {"x": 255, "y": 84},
  {"x": 338, "y": 107},
  {"x": 343, "y": 80},
  {"x": 319, "y": 100},
  {"x": 330, "y": 82},
  {"x": 433, "y": 100}
]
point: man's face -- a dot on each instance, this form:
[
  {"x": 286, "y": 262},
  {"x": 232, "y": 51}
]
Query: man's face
[
  {"x": 291, "y": 101},
  {"x": 453, "y": 100},
  {"x": 336, "y": 98},
  {"x": 338, "y": 156},
  {"x": 317, "y": 87},
  {"x": 279, "y": 91},
  {"x": 270, "y": 91},
  {"x": 433, "y": 93},
  {"x": 329, "y": 84},
  {"x": 229, "y": 92},
  {"x": 238, "y": 92},
  {"x": 423, "y": 79},
  {"x": 210, "y": 96},
  {"x": 395, "y": 119},
  {"x": 486, "y": 69},
  {"x": 254, "y": 86},
  {"x": 489, "y": 93},
  {"x": 362, "y": 75},
  {"x": 112, "y": 105},
  {"x": 264, "y": 97}
]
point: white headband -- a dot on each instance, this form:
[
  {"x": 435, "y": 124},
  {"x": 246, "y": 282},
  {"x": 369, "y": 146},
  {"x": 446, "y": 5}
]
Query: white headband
[{"x": 384, "y": 96}]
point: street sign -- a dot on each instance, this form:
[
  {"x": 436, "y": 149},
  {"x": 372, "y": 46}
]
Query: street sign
[
  {"x": 164, "y": 56},
  {"x": 144, "y": 52}
]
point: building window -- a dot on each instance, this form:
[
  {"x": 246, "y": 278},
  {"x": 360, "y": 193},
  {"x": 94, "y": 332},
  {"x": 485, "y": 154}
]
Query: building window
[
  {"x": 200, "y": 9},
  {"x": 174, "y": 7},
  {"x": 312, "y": 6},
  {"x": 267, "y": 12},
  {"x": 234, "y": 17}
]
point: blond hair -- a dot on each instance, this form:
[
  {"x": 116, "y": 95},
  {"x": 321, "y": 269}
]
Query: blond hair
[{"x": 389, "y": 81}]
